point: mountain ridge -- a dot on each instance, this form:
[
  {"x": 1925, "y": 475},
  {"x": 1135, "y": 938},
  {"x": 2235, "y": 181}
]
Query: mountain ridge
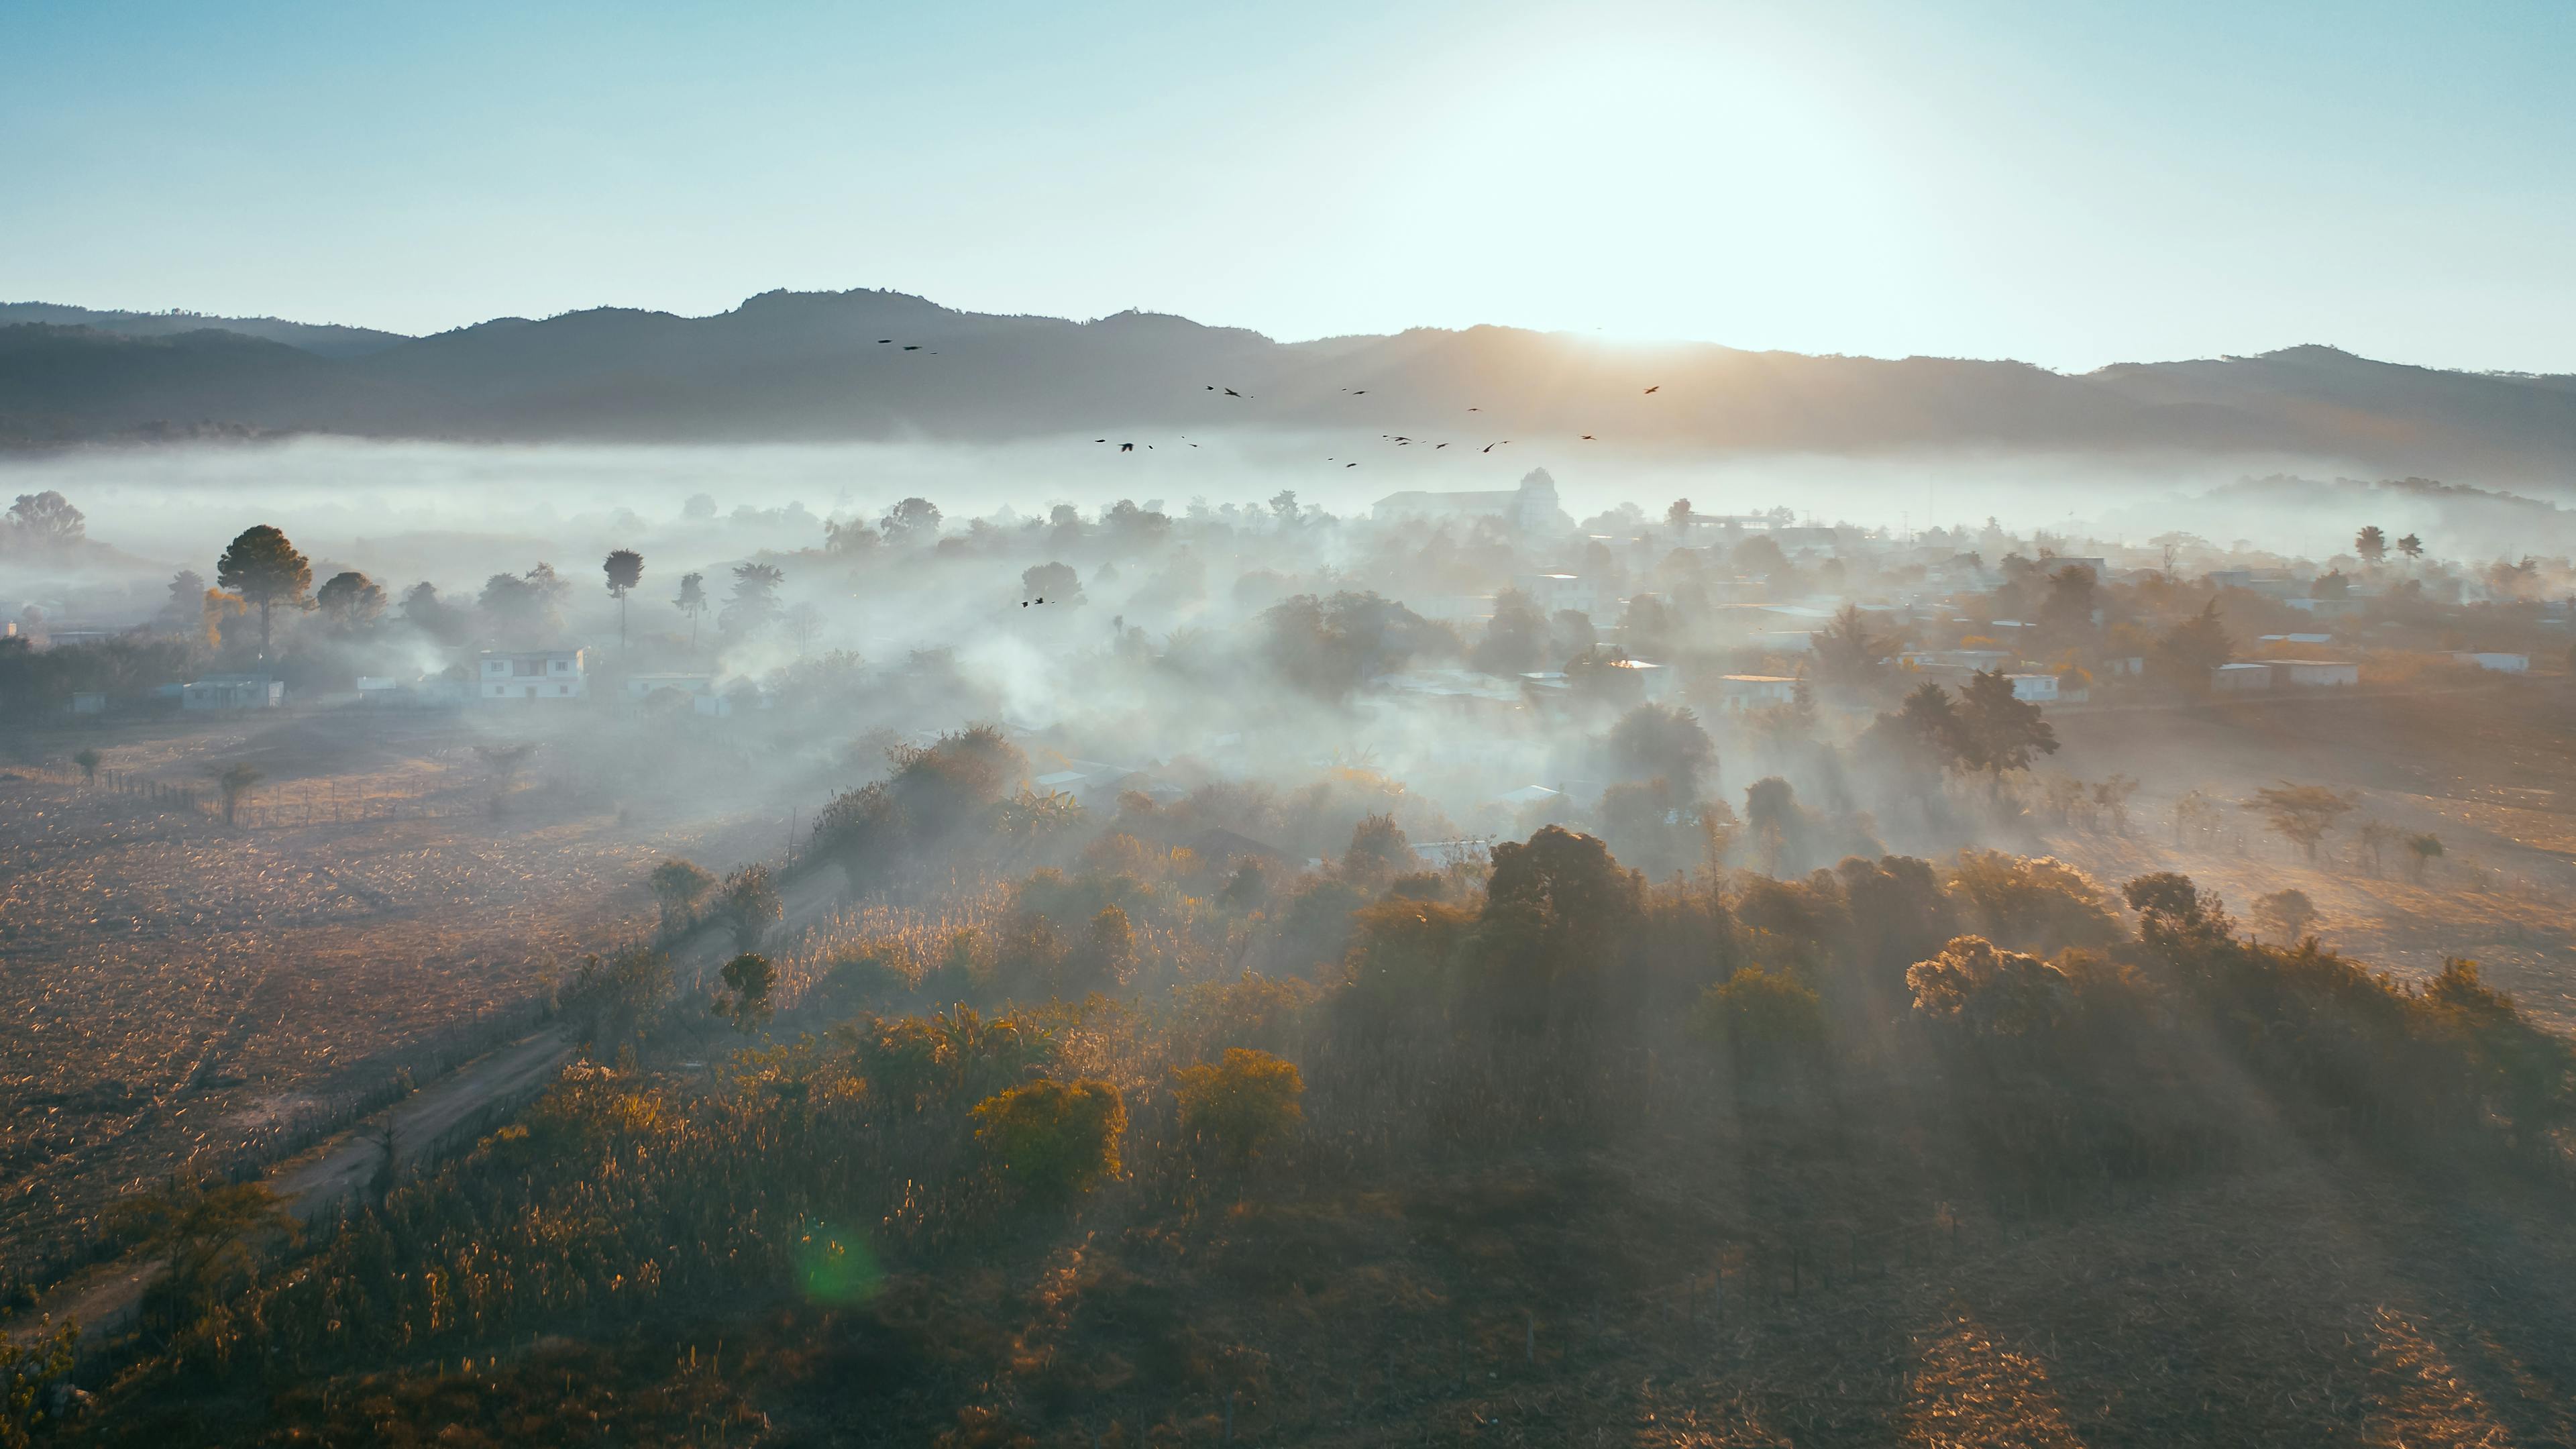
[{"x": 875, "y": 364}]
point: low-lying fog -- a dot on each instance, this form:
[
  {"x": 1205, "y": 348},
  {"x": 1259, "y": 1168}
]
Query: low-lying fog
[{"x": 441, "y": 508}]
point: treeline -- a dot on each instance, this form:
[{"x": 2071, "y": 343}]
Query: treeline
[{"x": 1095, "y": 1037}]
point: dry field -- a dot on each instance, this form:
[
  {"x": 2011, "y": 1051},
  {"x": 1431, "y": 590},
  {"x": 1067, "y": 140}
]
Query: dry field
[
  {"x": 172, "y": 989},
  {"x": 2490, "y": 772}
]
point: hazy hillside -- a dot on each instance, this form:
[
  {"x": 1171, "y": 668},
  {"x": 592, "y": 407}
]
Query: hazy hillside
[
  {"x": 326, "y": 339},
  {"x": 868, "y": 364}
]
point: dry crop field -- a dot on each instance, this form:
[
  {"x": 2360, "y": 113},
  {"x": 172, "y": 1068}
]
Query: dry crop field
[
  {"x": 173, "y": 989},
  {"x": 2491, "y": 772}
]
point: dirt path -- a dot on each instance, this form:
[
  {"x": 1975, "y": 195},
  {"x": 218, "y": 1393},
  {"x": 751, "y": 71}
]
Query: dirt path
[{"x": 103, "y": 1300}]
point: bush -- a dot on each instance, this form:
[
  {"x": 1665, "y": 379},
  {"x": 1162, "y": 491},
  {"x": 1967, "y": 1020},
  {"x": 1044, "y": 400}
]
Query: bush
[
  {"x": 1766, "y": 1020},
  {"x": 1242, "y": 1104},
  {"x": 1052, "y": 1140}
]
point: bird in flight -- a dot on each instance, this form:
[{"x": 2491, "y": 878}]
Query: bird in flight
[
  {"x": 1100, "y": 440},
  {"x": 882, "y": 341},
  {"x": 912, "y": 347},
  {"x": 1489, "y": 447},
  {"x": 1437, "y": 446},
  {"x": 1587, "y": 437},
  {"x": 1126, "y": 447},
  {"x": 1350, "y": 465},
  {"x": 1658, "y": 387}
]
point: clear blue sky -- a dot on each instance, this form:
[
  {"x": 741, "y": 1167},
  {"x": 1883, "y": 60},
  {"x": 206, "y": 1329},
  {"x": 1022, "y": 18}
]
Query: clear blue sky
[{"x": 2069, "y": 184}]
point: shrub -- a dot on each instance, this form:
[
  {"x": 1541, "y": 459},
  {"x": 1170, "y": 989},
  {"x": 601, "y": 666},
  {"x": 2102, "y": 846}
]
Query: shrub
[
  {"x": 2040, "y": 904},
  {"x": 1242, "y": 1104},
  {"x": 1767, "y": 1020},
  {"x": 1052, "y": 1140}
]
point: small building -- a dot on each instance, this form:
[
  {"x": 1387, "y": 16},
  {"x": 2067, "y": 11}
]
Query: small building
[
  {"x": 2295, "y": 639},
  {"x": 1783, "y": 641},
  {"x": 1654, "y": 681},
  {"x": 645, "y": 686},
  {"x": 233, "y": 691},
  {"x": 1555, "y": 592},
  {"x": 2035, "y": 688},
  {"x": 2240, "y": 678},
  {"x": 1975, "y": 661},
  {"x": 1753, "y": 691},
  {"x": 2499, "y": 663},
  {"x": 2317, "y": 673},
  {"x": 533, "y": 674}
]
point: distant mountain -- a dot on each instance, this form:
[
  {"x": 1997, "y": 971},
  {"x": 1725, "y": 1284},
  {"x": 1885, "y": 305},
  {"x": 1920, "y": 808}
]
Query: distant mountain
[
  {"x": 326, "y": 339},
  {"x": 883, "y": 365}
]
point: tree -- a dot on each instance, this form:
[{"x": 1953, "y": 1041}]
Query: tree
[
  {"x": 1662, "y": 742},
  {"x": 235, "y": 781},
  {"x": 1846, "y": 651},
  {"x": 2111, "y": 797},
  {"x": 750, "y": 904},
  {"x": 2411, "y": 546},
  {"x": 2371, "y": 839},
  {"x": 1052, "y": 1140},
  {"x": 524, "y": 608},
  {"x": 747, "y": 977},
  {"x": 913, "y": 521},
  {"x": 2066, "y": 610},
  {"x": 2422, "y": 851},
  {"x": 183, "y": 612},
  {"x": 1989, "y": 993},
  {"x": 678, "y": 885},
  {"x": 2370, "y": 543},
  {"x": 1241, "y": 1105},
  {"x": 1778, "y": 824},
  {"x": 88, "y": 760},
  {"x": 2193, "y": 648},
  {"x": 2286, "y": 914},
  {"x": 625, "y": 570},
  {"x": 1997, "y": 731},
  {"x": 504, "y": 761},
  {"x": 265, "y": 570},
  {"x": 1678, "y": 518},
  {"x": 804, "y": 625},
  {"x": 1514, "y": 635},
  {"x": 1056, "y": 583},
  {"x": 203, "y": 1233},
  {"x": 31, "y": 1371},
  {"x": 1283, "y": 506},
  {"x": 424, "y": 610},
  {"x": 45, "y": 520},
  {"x": 2301, "y": 813},
  {"x": 692, "y": 601},
  {"x": 754, "y": 605},
  {"x": 1768, "y": 1021},
  {"x": 351, "y": 601}
]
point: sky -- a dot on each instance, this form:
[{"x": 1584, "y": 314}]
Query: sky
[{"x": 2068, "y": 185}]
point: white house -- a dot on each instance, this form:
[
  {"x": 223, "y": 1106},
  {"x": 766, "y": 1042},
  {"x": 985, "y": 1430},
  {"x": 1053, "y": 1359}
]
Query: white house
[
  {"x": 233, "y": 691},
  {"x": 534, "y": 674},
  {"x": 1751, "y": 691},
  {"x": 2240, "y": 678},
  {"x": 2500, "y": 663},
  {"x": 2037, "y": 688},
  {"x": 2318, "y": 673}
]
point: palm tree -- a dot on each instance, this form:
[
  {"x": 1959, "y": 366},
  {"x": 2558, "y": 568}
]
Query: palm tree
[
  {"x": 692, "y": 601},
  {"x": 2371, "y": 543},
  {"x": 625, "y": 569},
  {"x": 2411, "y": 546}
]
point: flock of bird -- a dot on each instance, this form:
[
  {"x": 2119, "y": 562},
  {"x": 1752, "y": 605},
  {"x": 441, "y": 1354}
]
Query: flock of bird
[{"x": 1399, "y": 439}]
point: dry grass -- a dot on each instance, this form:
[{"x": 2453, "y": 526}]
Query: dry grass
[{"x": 174, "y": 990}]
